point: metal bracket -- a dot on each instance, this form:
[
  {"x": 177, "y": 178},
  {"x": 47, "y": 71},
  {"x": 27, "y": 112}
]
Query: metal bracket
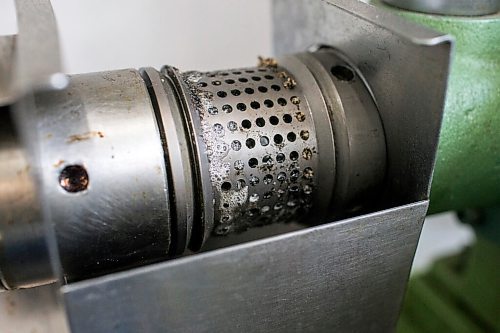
[
  {"x": 405, "y": 64},
  {"x": 31, "y": 60},
  {"x": 342, "y": 277}
]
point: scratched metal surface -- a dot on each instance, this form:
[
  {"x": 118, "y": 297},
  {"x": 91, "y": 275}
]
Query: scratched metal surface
[
  {"x": 124, "y": 210},
  {"x": 341, "y": 277}
]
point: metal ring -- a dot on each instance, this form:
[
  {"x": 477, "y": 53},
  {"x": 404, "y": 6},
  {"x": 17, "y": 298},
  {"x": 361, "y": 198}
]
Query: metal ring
[
  {"x": 204, "y": 218},
  {"x": 324, "y": 134},
  {"x": 357, "y": 127},
  {"x": 179, "y": 172}
]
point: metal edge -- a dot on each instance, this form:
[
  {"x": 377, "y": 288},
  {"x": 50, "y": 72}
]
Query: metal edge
[
  {"x": 37, "y": 34},
  {"x": 227, "y": 250},
  {"x": 379, "y": 43},
  {"x": 417, "y": 34},
  {"x": 203, "y": 223},
  {"x": 180, "y": 173},
  {"x": 256, "y": 287},
  {"x": 325, "y": 135}
]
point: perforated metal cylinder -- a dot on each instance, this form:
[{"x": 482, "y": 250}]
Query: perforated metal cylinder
[
  {"x": 260, "y": 142},
  {"x": 138, "y": 167},
  {"x": 264, "y": 141}
]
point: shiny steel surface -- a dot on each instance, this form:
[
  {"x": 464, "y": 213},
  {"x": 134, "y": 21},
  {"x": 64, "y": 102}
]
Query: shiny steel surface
[
  {"x": 204, "y": 197},
  {"x": 449, "y": 7},
  {"x": 297, "y": 282},
  {"x": 325, "y": 141},
  {"x": 105, "y": 123},
  {"x": 177, "y": 154},
  {"x": 358, "y": 130}
]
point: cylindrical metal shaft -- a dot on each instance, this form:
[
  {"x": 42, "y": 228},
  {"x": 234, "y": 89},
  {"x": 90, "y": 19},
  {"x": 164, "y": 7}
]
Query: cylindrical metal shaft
[{"x": 140, "y": 166}]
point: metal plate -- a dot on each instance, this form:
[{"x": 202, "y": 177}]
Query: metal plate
[
  {"x": 405, "y": 64},
  {"x": 345, "y": 277}
]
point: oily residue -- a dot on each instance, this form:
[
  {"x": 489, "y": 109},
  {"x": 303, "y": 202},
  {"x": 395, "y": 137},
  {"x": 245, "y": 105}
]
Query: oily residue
[
  {"x": 216, "y": 149},
  {"x": 58, "y": 163},
  {"x": 85, "y": 136}
]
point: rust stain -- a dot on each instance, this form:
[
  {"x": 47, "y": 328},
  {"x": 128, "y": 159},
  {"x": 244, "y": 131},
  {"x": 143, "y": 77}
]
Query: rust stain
[
  {"x": 288, "y": 81},
  {"x": 58, "y": 163},
  {"x": 296, "y": 101},
  {"x": 267, "y": 62},
  {"x": 307, "y": 153},
  {"x": 300, "y": 116},
  {"x": 85, "y": 136}
]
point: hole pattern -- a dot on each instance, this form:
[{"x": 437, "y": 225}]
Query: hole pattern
[
  {"x": 268, "y": 103},
  {"x": 241, "y": 106},
  {"x": 255, "y": 105},
  {"x": 274, "y": 120},
  {"x": 250, "y": 143},
  {"x": 253, "y": 162},
  {"x": 246, "y": 124},
  {"x": 263, "y": 156}
]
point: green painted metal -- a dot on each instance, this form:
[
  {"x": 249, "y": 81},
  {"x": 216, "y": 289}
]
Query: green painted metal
[
  {"x": 467, "y": 173},
  {"x": 458, "y": 294}
]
